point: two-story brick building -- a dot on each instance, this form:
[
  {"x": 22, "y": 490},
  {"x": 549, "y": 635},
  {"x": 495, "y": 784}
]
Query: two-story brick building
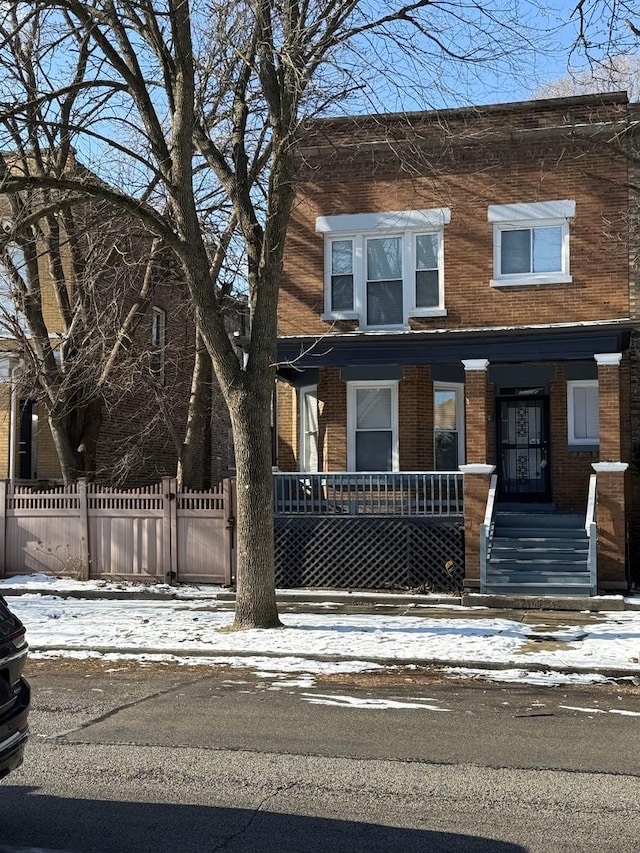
[{"x": 457, "y": 314}]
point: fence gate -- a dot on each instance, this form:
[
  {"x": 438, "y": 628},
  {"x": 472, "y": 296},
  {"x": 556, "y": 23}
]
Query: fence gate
[{"x": 91, "y": 531}]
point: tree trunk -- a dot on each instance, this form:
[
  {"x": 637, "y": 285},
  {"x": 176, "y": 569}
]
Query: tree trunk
[
  {"x": 75, "y": 436},
  {"x": 255, "y": 593},
  {"x": 191, "y": 463}
]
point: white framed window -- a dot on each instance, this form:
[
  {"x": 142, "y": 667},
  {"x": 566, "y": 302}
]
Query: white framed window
[
  {"x": 158, "y": 342},
  {"x": 583, "y": 416},
  {"x": 372, "y": 426},
  {"x": 448, "y": 426},
  {"x": 12, "y": 264},
  {"x": 381, "y": 269},
  {"x": 531, "y": 242},
  {"x": 308, "y": 424}
]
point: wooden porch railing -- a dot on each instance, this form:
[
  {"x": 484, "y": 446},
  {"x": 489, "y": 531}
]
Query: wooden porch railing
[{"x": 383, "y": 493}]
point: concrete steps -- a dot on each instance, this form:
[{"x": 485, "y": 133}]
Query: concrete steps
[{"x": 538, "y": 553}]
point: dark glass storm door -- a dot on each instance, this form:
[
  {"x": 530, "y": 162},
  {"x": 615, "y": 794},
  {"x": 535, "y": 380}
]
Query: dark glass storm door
[{"x": 523, "y": 448}]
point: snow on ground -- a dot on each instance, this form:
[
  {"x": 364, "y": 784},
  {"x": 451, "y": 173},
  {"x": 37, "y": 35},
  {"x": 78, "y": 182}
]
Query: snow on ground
[{"x": 191, "y": 630}]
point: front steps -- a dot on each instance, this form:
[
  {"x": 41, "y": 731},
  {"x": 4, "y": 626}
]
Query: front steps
[{"x": 538, "y": 553}]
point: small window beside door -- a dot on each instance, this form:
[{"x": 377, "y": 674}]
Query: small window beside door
[
  {"x": 448, "y": 426},
  {"x": 308, "y": 420},
  {"x": 583, "y": 417}
]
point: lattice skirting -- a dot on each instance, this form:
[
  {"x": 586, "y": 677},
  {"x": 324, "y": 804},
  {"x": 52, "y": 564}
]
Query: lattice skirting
[{"x": 370, "y": 553}]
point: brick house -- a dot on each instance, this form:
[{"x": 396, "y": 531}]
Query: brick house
[
  {"x": 146, "y": 407},
  {"x": 457, "y": 317}
]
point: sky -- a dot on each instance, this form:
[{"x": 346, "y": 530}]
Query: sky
[
  {"x": 320, "y": 637},
  {"x": 530, "y": 43}
]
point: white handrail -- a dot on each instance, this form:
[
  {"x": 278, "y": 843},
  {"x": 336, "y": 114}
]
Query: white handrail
[
  {"x": 591, "y": 503},
  {"x": 486, "y": 531},
  {"x": 591, "y": 529}
]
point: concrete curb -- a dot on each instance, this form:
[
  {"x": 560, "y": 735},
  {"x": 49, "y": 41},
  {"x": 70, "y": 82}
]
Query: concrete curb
[
  {"x": 488, "y": 666},
  {"x": 472, "y": 600}
]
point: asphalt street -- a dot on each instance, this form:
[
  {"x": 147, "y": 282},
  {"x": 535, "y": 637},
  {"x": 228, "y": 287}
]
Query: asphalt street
[{"x": 167, "y": 759}]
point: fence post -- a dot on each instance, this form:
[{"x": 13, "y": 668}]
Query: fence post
[
  {"x": 173, "y": 509},
  {"x": 3, "y": 528},
  {"x": 83, "y": 509},
  {"x": 168, "y": 496},
  {"x": 229, "y": 528}
]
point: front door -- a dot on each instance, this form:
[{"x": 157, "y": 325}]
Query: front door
[{"x": 523, "y": 444}]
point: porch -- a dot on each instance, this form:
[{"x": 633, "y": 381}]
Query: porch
[
  {"x": 543, "y": 409},
  {"x": 370, "y": 530}
]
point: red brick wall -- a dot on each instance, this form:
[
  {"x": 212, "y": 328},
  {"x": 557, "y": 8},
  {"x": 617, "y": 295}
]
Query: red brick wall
[{"x": 468, "y": 176}]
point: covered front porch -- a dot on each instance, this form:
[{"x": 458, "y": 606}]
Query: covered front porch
[{"x": 519, "y": 424}]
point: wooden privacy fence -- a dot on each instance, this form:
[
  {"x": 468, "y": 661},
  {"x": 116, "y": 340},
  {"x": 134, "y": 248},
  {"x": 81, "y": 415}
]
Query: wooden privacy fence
[{"x": 91, "y": 531}]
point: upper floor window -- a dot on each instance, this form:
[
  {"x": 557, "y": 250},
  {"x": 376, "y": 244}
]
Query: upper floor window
[
  {"x": 531, "y": 242},
  {"x": 381, "y": 269}
]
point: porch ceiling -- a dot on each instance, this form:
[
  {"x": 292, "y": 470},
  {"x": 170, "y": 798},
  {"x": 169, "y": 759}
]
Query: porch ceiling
[{"x": 296, "y": 354}]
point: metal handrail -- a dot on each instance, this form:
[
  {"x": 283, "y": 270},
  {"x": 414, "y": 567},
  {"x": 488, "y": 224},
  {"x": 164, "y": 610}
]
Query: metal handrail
[
  {"x": 591, "y": 528},
  {"x": 370, "y": 493},
  {"x": 486, "y": 531}
]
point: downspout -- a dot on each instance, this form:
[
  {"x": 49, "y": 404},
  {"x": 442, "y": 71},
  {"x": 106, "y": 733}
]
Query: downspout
[{"x": 13, "y": 423}]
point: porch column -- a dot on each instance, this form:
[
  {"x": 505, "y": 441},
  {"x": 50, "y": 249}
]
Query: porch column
[
  {"x": 477, "y": 473},
  {"x": 611, "y": 475}
]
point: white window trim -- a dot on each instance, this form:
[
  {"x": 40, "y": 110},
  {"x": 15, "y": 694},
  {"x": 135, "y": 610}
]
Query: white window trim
[
  {"x": 542, "y": 214},
  {"x": 159, "y": 325},
  {"x": 352, "y": 387},
  {"x": 306, "y": 391},
  {"x": 458, "y": 387},
  {"x": 408, "y": 224},
  {"x": 572, "y": 440}
]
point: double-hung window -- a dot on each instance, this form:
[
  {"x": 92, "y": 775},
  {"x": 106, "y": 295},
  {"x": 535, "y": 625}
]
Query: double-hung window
[
  {"x": 583, "y": 416},
  {"x": 372, "y": 426},
  {"x": 531, "y": 242},
  {"x": 383, "y": 268}
]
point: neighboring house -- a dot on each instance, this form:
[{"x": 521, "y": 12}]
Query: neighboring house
[
  {"x": 457, "y": 313},
  {"x": 145, "y": 408}
]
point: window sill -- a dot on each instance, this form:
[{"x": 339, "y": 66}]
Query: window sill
[
  {"x": 583, "y": 448},
  {"x": 419, "y": 313},
  {"x": 339, "y": 315},
  {"x": 531, "y": 280}
]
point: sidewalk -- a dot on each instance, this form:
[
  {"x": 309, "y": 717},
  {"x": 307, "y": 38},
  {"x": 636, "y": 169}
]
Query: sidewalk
[{"x": 333, "y": 630}]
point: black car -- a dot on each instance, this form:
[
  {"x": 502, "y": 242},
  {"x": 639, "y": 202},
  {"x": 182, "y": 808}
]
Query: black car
[{"x": 15, "y": 693}]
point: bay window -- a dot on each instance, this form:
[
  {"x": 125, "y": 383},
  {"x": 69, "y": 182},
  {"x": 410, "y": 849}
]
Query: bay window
[{"x": 384, "y": 268}]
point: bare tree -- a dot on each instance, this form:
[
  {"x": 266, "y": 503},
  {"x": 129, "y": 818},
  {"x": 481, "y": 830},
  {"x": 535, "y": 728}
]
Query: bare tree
[
  {"x": 193, "y": 112},
  {"x": 611, "y": 74}
]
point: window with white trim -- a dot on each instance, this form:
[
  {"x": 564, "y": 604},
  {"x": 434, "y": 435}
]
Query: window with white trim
[
  {"x": 531, "y": 242},
  {"x": 158, "y": 341},
  {"x": 383, "y": 268},
  {"x": 448, "y": 426},
  {"x": 583, "y": 416},
  {"x": 308, "y": 422},
  {"x": 372, "y": 426},
  {"x": 12, "y": 271}
]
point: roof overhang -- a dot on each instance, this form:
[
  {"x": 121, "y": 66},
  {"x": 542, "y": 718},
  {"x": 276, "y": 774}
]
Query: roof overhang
[{"x": 578, "y": 342}]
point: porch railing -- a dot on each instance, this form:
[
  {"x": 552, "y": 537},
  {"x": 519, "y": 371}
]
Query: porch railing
[
  {"x": 591, "y": 528},
  {"x": 486, "y": 531},
  {"x": 385, "y": 493}
]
